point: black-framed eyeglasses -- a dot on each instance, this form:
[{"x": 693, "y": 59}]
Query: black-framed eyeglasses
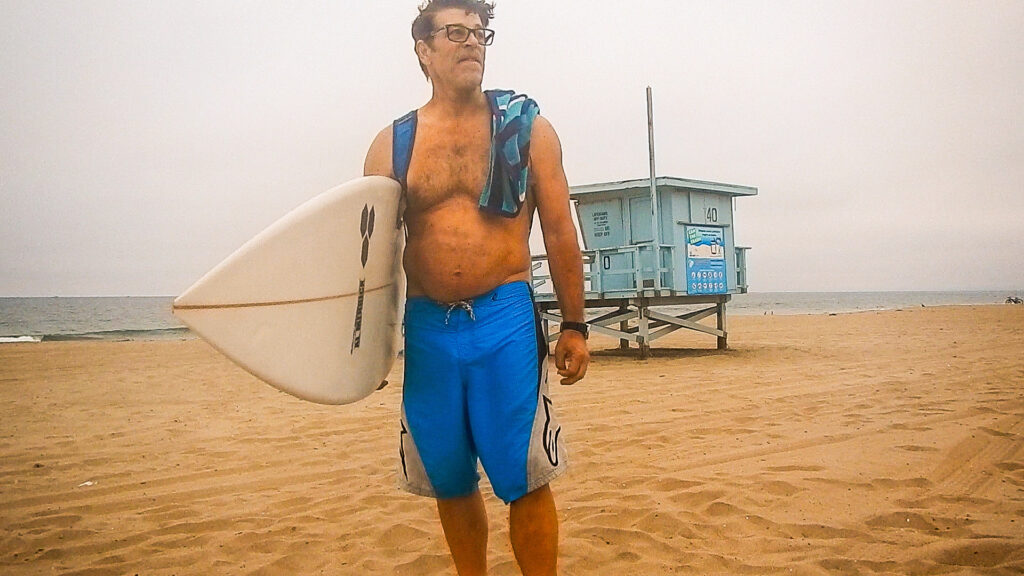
[{"x": 460, "y": 34}]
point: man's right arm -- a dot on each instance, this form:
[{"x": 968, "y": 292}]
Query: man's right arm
[{"x": 378, "y": 158}]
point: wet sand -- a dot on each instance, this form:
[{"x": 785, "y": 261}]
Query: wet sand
[{"x": 870, "y": 443}]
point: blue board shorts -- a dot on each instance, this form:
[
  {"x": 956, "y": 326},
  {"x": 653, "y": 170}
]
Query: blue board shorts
[{"x": 476, "y": 389}]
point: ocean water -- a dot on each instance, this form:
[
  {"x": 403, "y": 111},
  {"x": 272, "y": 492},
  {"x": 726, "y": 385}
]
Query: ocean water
[
  {"x": 844, "y": 302},
  {"x": 124, "y": 318},
  {"x": 146, "y": 318}
]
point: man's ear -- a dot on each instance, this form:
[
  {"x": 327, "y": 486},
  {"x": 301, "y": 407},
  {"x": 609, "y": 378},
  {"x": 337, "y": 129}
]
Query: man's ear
[{"x": 422, "y": 52}]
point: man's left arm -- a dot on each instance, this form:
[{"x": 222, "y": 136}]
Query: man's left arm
[{"x": 551, "y": 194}]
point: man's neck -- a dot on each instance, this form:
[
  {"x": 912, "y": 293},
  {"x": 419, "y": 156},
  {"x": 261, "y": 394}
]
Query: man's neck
[{"x": 451, "y": 103}]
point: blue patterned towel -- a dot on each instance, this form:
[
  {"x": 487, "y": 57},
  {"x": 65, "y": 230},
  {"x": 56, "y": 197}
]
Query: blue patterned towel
[{"x": 505, "y": 190}]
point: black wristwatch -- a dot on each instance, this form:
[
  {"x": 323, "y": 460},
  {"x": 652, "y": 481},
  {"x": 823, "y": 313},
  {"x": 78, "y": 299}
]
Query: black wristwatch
[{"x": 580, "y": 327}]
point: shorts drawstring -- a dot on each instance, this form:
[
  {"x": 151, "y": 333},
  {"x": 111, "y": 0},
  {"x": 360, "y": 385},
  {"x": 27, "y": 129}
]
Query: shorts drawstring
[{"x": 464, "y": 304}]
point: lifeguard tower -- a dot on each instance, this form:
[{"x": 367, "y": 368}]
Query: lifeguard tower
[
  {"x": 632, "y": 267},
  {"x": 650, "y": 243}
]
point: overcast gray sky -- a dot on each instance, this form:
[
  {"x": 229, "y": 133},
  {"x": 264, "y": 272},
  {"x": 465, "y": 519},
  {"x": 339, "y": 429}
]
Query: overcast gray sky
[{"x": 141, "y": 142}]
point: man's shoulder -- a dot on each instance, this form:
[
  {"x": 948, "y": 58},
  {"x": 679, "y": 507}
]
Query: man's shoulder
[
  {"x": 386, "y": 133},
  {"x": 378, "y": 157},
  {"x": 543, "y": 139},
  {"x": 384, "y": 136}
]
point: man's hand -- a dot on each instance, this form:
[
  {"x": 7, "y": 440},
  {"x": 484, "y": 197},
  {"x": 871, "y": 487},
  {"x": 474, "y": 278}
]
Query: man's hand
[{"x": 571, "y": 357}]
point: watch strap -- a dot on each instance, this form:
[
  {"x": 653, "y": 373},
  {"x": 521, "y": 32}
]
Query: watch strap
[{"x": 580, "y": 327}]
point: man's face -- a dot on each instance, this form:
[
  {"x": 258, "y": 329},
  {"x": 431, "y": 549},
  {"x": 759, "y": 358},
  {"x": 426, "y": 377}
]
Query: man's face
[{"x": 459, "y": 64}]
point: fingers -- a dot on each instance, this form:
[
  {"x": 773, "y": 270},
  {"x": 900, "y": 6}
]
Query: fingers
[
  {"x": 571, "y": 359},
  {"x": 575, "y": 371},
  {"x": 584, "y": 365},
  {"x": 560, "y": 354}
]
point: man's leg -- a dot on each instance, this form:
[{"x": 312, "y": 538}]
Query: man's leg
[
  {"x": 464, "y": 521},
  {"x": 533, "y": 529}
]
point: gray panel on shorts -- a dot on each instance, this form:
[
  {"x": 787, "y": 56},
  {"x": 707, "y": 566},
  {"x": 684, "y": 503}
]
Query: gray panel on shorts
[
  {"x": 412, "y": 474},
  {"x": 547, "y": 457}
]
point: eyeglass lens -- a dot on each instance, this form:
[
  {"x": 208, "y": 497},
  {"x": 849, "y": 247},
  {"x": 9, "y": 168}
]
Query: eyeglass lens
[{"x": 459, "y": 33}]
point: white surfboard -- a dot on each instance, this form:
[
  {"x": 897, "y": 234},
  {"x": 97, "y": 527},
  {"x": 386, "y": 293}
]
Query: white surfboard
[{"x": 312, "y": 304}]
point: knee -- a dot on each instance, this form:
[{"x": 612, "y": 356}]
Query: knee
[{"x": 541, "y": 501}]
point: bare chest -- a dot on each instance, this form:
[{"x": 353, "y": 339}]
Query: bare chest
[{"x": 448, "y": 163}]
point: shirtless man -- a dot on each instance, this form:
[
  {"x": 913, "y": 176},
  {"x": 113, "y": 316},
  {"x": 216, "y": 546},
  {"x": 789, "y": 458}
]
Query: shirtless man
[{"x": 476, "y": 364}]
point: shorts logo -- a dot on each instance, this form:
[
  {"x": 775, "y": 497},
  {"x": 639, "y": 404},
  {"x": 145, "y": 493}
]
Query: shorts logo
[
  {"x": 550, "y": 436},
  {"x": 401, "y": 449},
  {"x": 366, "y": 230}
]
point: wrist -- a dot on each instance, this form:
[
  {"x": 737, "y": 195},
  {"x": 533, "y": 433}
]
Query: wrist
[{"x": 579, "y": 327}]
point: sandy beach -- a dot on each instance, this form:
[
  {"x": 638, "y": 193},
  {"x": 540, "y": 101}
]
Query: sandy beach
[{"x": 870, "y": 443}]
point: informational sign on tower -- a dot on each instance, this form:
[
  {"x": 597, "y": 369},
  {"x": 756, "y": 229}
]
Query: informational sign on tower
[{"x": 705, "y": 260}]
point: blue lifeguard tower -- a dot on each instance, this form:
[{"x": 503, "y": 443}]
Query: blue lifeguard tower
[
  {"x": 678, "y": 250},
  {"x": 649, "y": 243}
]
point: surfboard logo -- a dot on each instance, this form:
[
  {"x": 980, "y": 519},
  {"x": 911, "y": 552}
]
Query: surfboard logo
[
  {"x": 365, "y": 230},
  {"x": 550, "y": 436}
]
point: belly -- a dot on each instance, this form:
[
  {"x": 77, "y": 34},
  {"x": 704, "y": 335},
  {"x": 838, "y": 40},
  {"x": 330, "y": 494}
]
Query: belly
[{"x": 461, "y": 253}]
